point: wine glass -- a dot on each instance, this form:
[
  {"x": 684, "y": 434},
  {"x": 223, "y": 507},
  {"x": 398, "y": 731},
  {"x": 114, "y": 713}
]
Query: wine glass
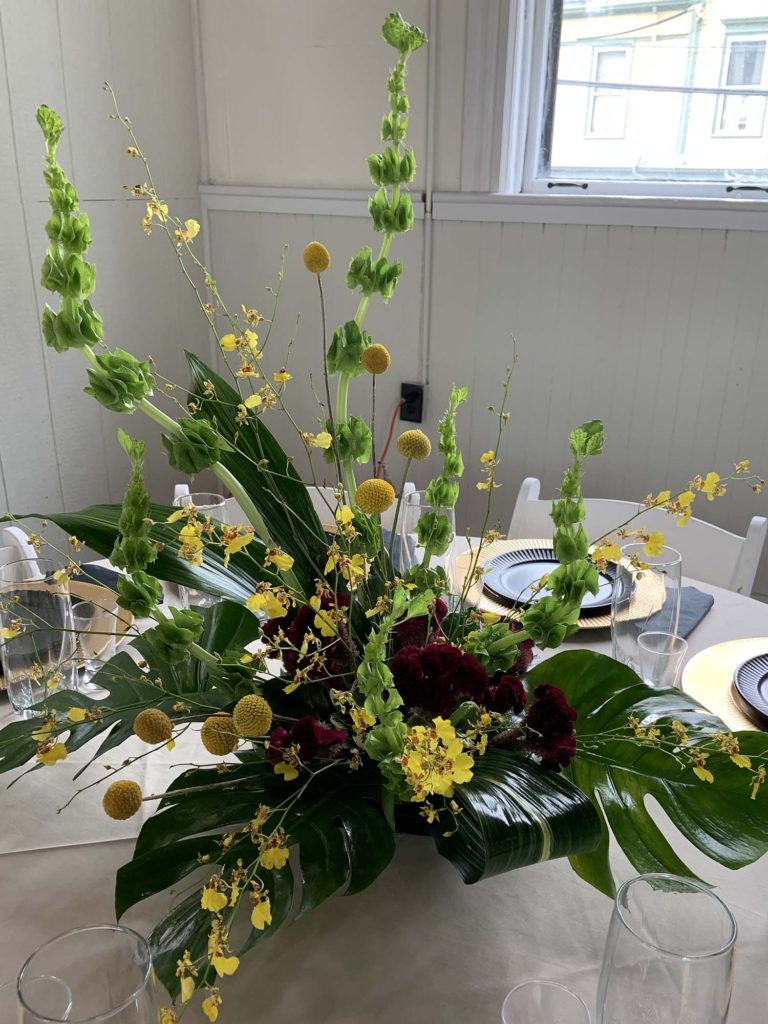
[
  {"x": 668, "y": 956},
  {"x": 107, "y": 971},
  {"x": 543, "y": 1002},
  {"x": 208, "y": 504},
  {"x": 646, "y": 598},
  {"x": 37, "y": 643}
]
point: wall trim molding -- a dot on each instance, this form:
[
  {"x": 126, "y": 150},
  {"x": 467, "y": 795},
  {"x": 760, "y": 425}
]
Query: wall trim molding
[{"x": 328, "y": 202}]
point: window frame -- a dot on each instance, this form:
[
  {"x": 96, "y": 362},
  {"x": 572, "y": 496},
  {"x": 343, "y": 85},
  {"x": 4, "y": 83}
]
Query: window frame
[
  {"x": 597, "y": 92},
  {"x": 730, "y": 39},
  {"x": 519, "y": 141}
]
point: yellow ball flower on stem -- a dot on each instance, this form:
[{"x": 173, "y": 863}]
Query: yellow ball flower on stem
[
  {"x": 153, "y": 726},
  {"x": 122, "y": 799},
  {"x": 252, "y": 716},
  {"x": 376, "y": 359},
  {"x": 219, "y": 735},
  {"x": 374, "y": 496},
  {"x": 414, "y": 444},
  {"x": 316, "y": 258}
]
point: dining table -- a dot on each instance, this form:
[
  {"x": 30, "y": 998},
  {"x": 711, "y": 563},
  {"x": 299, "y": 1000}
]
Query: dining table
[{"x": 418, "y": 946}]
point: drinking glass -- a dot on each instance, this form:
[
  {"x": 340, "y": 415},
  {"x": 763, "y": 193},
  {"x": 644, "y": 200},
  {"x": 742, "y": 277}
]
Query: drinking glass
[
  {"x": 543, "y": 1002},
  {"x": 646, "y": 598},
  {"x": 661, "y": 656},
  {"x": 95, "y": 637},
  {"x": 107, "y": 969},
  {"x": 208, "y": 504},
  {"x": 416, "y": 525},
  {"x": 669, "y": 954},
  {"x": 37, "y": 645},
  {"x": 52, "y": 994}
]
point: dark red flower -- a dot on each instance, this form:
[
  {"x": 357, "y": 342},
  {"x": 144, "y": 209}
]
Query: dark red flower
[
  {"x": 509, "y": 694},
  {"x": 435, "y": 679},
  {"x": 309, "y": 735},
  {"x": 421, "y": 630},
  {"x": 294, "y": 627},
  {"x": 549, "y": 727}
]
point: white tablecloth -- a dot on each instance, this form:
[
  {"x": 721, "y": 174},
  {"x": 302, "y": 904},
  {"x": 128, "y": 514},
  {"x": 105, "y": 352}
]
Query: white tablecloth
[{"x": 417, "y": 947}]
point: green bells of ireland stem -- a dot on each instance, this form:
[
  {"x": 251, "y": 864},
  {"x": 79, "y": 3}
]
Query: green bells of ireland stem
[
  {"x": 173, "y": 637},
  {"x": 119, "y": 380},
  {"x": 371, "y": 275},
  {"x": 346, "y": 349},
  {"x": 403, "y": 36},
  {"x": 353, "y": 441},
  {"x": 139, "y": 593},
  {"x": 495, "y": 646},
  {"x": 198, "y": 447},
  {"x": 76, "y": 325},
  {"x": 133, "y": 550}
]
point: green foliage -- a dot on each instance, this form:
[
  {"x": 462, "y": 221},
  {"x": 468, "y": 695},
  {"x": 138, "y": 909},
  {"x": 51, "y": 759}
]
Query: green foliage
[
  {"x": 434, "y": 528},
  {"x": 173, "y": 637},
  {"x": 134, "y": 550},
  {"x": 76, "y": 325},
  {"x": 352, "y": 441},
  {"x": 390, "y": 168},
  {"x": 119, "y": 380},
  {"x": 199, "y": 447},
  {"x": 371, "y": 275},
  {"x": 619, "y": 774},
  {"x": 139, "y": 593},
  {"x": 402, "y": 35},
  {"x": 393, "y": 214},
  {"x": 514, "y": 813},
  {"x": 495, "y": 646},
  {"x": 346, "y": 349}
]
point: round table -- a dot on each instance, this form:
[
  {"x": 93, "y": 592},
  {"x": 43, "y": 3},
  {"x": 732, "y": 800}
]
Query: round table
[{"x": 417, "y": 947}]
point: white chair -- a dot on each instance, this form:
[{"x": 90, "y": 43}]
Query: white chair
[
  {"x": 14, "y": 545},
  {"x": 710, "y": 554}
]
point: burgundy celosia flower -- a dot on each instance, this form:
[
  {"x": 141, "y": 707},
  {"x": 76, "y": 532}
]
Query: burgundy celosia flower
[
  {"x": 309, "y": 735},
  {"x": 549, "y": 727},
  {"x": 435, "y": 679},
  {"x": 295, "y": 625},
  {"x": 421, "y": 630},
  {"x": 509, "y": 694}
]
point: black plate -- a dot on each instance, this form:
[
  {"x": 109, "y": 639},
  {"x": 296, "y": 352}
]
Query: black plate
[
  {"x": 509, "y": 576},
  {"x": 750, "y": 689}
]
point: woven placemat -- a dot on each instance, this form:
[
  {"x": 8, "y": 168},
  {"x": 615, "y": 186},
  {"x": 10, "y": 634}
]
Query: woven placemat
[
  {"x": 648, "y": 596},
  {"x": 708, "y": 676}
]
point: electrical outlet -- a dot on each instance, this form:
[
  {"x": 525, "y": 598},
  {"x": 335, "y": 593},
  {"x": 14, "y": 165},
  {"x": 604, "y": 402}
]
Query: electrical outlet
[{"x": 413, "y": 402}]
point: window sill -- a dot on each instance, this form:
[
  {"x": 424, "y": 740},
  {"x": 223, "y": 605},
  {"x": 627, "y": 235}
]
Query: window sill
[{"x": 628, "y": 211}]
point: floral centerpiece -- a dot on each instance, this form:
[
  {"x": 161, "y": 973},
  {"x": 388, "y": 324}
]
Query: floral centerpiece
[{"x": 339, "y": 699}]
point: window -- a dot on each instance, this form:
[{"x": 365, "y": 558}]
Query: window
[
  {"x": 607, "y": 103},
  {"x": 741, "y": 113},
  {"x": 665, "y": 97}
]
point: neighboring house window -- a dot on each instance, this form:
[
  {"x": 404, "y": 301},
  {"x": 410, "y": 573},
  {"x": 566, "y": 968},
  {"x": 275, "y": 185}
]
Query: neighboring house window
[
  {"x": 739, "y": 113},
  {"x": 608, "y": 102}
]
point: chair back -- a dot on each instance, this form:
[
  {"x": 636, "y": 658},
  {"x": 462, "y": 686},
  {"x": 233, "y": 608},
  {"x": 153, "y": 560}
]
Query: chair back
[{"x": 710, "y": 554}]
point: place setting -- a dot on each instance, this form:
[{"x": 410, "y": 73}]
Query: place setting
[{"x": 314, "y": 708}]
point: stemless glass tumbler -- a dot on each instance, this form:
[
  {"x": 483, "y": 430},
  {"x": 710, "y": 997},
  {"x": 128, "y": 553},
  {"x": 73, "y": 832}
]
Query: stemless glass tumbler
[
  {"x": 646, "y": 597},
  {"x": 668, "y": 956},
  {"x": 207, "y": 504},
  {"x": 107, "y": 971},
  {"x": 419, "y": 532},
  {"x": 543, "y": 1002},
  {"x": 37, "y": 643}
]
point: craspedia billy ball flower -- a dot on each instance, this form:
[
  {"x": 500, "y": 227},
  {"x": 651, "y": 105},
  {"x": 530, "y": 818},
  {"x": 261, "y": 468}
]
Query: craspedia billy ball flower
[
  {"x": 153, "y": 726},
  {"x": 252, "y": 716},
  {"x": 316, "y": 258},
  {"x": 374, "y": 496},
  {"x": 376, "y": 358},
  {"x": 414, "y": 444},
  {"x": 122, "y": 799},
  {"x": 219, "y": 735}
]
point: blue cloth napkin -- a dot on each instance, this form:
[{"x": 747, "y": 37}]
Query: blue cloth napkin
[{"x": 694, "y": 605}]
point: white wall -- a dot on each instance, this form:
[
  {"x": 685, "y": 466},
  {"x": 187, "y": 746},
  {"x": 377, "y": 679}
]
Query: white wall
[{"x": 58, "y": 447}]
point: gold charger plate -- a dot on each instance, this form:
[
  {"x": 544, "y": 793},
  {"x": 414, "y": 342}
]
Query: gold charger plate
[
  {"x": 708, "y": 676},
  {"x": 648, "y": 596},
  {"x": 106, "y": 599}
]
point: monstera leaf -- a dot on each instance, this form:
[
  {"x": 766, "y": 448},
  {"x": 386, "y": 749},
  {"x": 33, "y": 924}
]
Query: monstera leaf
[
  {"x": 337, "y": 827},
  {"x": 97, "y": 527},
  {"x": 618, "y": 773},
  {"x": 514, "y": 813},
  {"x": 265, "y": 472}
]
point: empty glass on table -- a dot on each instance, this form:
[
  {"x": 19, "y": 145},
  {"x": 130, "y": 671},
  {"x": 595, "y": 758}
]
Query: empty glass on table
[
  {"x": 50, "y": 994},
  {"x": 424, "y": 529},
  {"x": 214, "y": 506},
  {"x": 543, "y": 1002},
  {"x": 661, "y": 658},
  {"x": 37, "y": 642},
  {"x": 668, "y": 955},
  {"x": 646, "y": 598},
  {"x": 108, "y": 971},
  {"x": 94, "y": 626}
]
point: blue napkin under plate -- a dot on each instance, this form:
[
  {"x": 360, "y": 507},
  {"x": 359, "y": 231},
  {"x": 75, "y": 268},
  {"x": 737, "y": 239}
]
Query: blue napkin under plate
[{"x": 694, "y": 605}]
